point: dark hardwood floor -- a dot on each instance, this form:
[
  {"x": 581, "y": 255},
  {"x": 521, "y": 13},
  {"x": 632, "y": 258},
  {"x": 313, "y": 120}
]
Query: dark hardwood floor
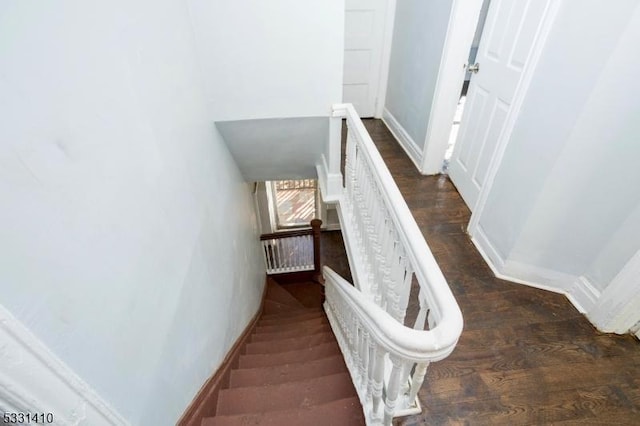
[
  {"x": 526, "y": 356},
  {"x": 334, "y": 254}
]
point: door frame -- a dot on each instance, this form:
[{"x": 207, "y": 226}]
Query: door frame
[
  {"x": 463, "y": 21},
  {"x": 462, "y": 24},
  {"x": 388, "y": 21},
  {"x": 385, "y": 59},
  {"x": 520, "y": 94}
]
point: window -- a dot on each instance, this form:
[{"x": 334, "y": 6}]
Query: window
[{"x": 296, "y": 202}]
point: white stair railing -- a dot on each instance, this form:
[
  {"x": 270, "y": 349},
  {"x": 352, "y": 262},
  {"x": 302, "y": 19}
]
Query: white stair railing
[
  {"x": 391, "y": 264},
  {"x": 288, "y": 254},
  {"x": 387, "y": 360},
  {"x": 292, "y": 251}
]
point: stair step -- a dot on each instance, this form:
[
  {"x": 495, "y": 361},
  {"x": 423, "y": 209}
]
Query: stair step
[
  {"x": 289, "y": 333},
  {"x": 302, "y": 324},
  {"x": 276, "y": 293},
  {"x": 301, "y": 355},
  {"x": 342, "y": 412},
  {"x": 273, "y": 307},
  {"x": 293, "y": 312},
  {"x": 290, "y": 344},
  {"x": 309, "y": 293},
  {"x": 291, "y": 318},
  {"x": 285, "y": 396},
  {"x": 287, "y": 372}
]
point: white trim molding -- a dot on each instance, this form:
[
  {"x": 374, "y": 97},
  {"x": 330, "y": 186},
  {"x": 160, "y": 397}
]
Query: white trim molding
[
  {"x": 614, "y": 310},
  {"x": 583, "y": 294},
  {"x": 385, "y": 62},
  {"x": 34, "y": 380},
  {"x": 521, "y": 273},
  {"x": 618, "y": 309},
  {"x": 330, "y": 183},
  {"x": 463, "y": 21},
  {"x": 406, "y": 142},
  {"x": 514, "y": 111}
]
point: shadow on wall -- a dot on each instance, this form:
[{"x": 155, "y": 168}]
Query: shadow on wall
[{"x": 276, "y": 148}]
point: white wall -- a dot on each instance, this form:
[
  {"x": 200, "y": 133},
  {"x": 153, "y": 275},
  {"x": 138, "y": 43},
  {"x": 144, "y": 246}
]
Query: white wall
[
  {"x": 274, "y": 149},
  {"x": 272, "y": 59},
  {"x": 418, "y": 39},
  {"x": 127, "y": 233},
  {"x": 566, "y": 196}
]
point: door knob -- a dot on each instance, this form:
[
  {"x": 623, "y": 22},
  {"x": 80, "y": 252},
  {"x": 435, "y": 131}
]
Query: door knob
[{"x": 474, "y": 68}]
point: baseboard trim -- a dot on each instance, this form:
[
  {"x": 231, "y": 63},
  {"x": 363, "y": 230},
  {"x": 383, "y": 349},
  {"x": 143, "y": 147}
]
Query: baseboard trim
[
  {"x": 404, "y": 140},
  {"x": 583, "y": 295},
  {"x": 487, "y": 251},
  {"x": 521, "y": 273},
  {"x": 34, "y": 380},
  {"x": 205, "y": 401}
]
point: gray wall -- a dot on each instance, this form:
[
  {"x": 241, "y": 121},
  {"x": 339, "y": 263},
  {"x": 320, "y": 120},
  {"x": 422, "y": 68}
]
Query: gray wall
[
  {"x": 278, "y": 148},
  {"x": 567, "y": 194},
  {"x": 266, "y": 59},
  {"x": 128, "y": 239},
  {"x": 418, "y": 38}
]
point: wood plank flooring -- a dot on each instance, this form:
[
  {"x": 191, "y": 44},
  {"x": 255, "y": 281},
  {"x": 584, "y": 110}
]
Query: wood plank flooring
[{"x": 526, "y": 356}]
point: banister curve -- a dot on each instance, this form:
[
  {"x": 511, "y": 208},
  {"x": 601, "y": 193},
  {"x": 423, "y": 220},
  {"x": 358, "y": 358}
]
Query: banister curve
[
  {"x": 398, "y": 339},
  {"x": 390, "y": 262}
]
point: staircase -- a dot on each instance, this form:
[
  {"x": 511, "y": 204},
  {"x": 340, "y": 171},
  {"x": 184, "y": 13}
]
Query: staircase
[{"x": 291, "y": 371}]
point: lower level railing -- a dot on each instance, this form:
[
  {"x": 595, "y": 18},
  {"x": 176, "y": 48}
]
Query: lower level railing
[{"x": 293, "y": 251}]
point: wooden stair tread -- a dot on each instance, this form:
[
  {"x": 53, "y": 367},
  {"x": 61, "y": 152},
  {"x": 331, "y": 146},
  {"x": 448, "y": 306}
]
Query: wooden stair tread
[
  {"x": 276, "y": 293},
  {"x": 342, "y": 412},
  {"x": 291, "y": 314},
  {"x": 289, "y": 333},
  {"x": 243, "y": 377},
  {"x": 289, "y": 357},
  {"x": 290, "y": 326},
  {"x": 275, "y": 307},
  {"x": 288, "y": 344},
  {"x": 309, "y": 293},
  {"x": 285, "y": 396},
  {"x": 292, "y": 319},
  {"x": 290, "y": 370}
]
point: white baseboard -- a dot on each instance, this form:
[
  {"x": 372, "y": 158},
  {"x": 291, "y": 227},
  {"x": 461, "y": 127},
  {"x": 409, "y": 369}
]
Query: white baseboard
[
  {"x": 583, "y": 294},
  {"x": 636, "y": 330},
  {"x": 330, "y": 183},
  {"x": 580, "y": 292},
  {"x": 33, "y": 380},
  {"x": 618, "y": 307},
  {"x": 406, "y": 142},
  {"x": 487, "y": 251}
]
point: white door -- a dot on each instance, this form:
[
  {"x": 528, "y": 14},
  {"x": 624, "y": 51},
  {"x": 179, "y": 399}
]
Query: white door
[
  {"x": 364, "y": 37},
  {"x": 508, "y": 38}
]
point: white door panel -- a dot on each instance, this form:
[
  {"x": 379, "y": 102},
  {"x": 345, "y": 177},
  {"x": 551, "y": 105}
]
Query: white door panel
[
  {"x": 364, "y": 34},
  {"x": 506, "y": 45}
]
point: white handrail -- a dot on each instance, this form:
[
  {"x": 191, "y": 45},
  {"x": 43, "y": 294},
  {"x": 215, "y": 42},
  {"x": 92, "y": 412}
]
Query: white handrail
[
  {"x": 390, "y": 262},
  {"x": 444, "y": 307},
  {"x": 398, "y": 339},
  {"x": 387, "y": 361}
]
